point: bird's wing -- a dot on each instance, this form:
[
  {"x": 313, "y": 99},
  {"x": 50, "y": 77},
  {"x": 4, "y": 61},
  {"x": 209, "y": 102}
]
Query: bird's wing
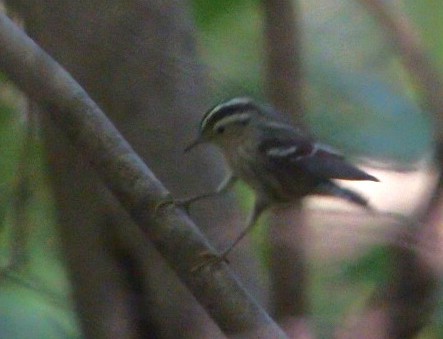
[{"x": 301, "y": 154}]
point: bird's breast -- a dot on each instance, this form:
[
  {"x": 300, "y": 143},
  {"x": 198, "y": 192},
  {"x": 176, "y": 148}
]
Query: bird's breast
[{"x": 249, "y": 168}]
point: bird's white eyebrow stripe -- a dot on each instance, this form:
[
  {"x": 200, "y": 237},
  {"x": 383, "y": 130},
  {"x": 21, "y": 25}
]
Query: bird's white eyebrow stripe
[
  {"x": 281, "y": 151},
  {"x": 231, "y": 119},
  {"x": 235, "y": 101}
]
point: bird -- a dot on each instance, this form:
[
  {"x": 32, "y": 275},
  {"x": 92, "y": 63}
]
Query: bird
[{"x": 279, "y": 162}]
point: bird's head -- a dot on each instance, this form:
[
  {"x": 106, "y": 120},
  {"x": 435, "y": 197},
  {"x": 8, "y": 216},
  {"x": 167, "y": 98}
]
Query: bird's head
[{"x": 227, "y": 122}]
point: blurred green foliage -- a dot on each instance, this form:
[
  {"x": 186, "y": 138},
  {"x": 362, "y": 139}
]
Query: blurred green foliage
[
  {"x": 234, "y": 60},
  {"x": 26, "y": 313},
  {"x": 374, "y": 267},
  {"x": 428, "y": 15},
  {"x": 207, "y": 13},
  {"x": 35, "y": 292}
]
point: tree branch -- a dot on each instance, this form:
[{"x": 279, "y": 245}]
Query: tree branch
[{"x": 130, "y": 180}]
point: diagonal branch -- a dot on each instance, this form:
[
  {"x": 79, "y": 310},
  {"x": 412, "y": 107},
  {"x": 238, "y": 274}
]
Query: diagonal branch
[{"x": 130, "y": 180}]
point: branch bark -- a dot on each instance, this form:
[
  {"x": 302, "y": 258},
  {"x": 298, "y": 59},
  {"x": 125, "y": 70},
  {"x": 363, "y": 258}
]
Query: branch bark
[{"x": 130, "y": 180}]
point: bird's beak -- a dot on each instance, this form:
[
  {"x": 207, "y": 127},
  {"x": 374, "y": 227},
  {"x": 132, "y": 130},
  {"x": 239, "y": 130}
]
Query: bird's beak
[{"x": 196, "y": 142}]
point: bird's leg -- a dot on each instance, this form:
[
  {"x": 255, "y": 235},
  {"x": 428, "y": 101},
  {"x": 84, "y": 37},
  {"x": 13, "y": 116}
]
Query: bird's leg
[
  {"x": 223, "y": 187},
  {"x": 210, "y": 259}
]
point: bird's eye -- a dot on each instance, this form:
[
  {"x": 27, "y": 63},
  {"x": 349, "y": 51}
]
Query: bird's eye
[{"x": 220, "y": 130}]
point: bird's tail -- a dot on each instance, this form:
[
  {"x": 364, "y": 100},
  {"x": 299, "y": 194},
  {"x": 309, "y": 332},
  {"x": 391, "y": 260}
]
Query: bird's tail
[{"x": 331, "y": 189}]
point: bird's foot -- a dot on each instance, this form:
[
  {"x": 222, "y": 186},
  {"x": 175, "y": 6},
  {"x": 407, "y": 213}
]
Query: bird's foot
[
  {"x": 169, "y": 201},
  {"x": 209, "y": 259}
]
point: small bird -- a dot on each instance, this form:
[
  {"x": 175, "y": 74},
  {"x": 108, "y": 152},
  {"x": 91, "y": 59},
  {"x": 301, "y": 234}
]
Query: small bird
[{"x": 278, "y": 162}]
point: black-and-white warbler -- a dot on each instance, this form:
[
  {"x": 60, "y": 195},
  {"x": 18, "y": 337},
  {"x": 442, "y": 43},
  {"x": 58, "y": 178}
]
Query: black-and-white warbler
[{"x": 277, "y": 161}]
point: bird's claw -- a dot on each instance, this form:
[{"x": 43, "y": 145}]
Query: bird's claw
[
  {"x": 168, "y": 201},
  {"x": 208, "y": 259},
  {"x": 184, "y": 203}
]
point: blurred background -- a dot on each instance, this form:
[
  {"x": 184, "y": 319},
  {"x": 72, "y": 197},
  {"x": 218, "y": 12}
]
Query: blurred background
[{"x": 369, "y": 84}]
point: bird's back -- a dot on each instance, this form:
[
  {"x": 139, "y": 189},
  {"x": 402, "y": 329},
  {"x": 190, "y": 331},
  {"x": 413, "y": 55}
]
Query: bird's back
[{"x": 282, "y": 164}]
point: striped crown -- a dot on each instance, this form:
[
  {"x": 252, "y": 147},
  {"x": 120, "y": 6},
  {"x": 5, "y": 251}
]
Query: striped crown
[{"x": 234, "y": 110}]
